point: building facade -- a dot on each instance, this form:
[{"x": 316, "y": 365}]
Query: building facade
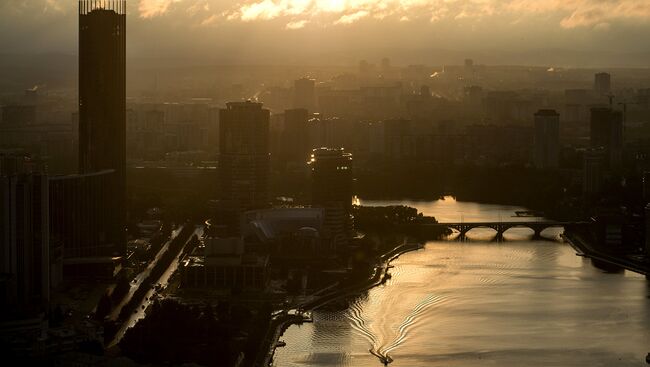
[
  {"x": 606, "y": 131},
  {"x": 81, "y": 223},
  {"x": 295, "y": 143},
  {"x": 102, "y": 103},
  {"x": 603, "y": 84},
  {"x": 24, "y": 237},
  {"x": 331, "y": 171},
  {"x": 547, "y": 139},
  {"x": 305, "y": 94},
  {"x": 244, "y": 159}
]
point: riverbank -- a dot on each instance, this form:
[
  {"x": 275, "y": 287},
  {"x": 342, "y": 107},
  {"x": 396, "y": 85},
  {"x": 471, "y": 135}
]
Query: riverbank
[
  {"x": 611, "y": 261},
  {"x": 380, "y": 276}
]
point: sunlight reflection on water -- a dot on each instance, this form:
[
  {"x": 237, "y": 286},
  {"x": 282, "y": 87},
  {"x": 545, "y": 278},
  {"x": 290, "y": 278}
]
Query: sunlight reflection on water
[{"x": 514, "y": 303}]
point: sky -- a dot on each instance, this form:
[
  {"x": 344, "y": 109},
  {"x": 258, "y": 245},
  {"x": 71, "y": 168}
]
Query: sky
[{"x": 257, "y": 28}]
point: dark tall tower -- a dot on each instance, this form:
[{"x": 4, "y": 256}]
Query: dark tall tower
[
  {"x": 295, "y": 147},
  {"x": 603, "y": 84},
  {"x": 331, "y": 172},
  {"x": 606, "y": 131},
  {"x": 102, "y": 102},
  {"x": 244, "y": 160},
  {"x": 547, "y": 139},
  {"x": 304, "y": 94}
]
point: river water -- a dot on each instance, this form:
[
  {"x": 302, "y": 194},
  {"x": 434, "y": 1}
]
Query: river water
[{"x": 514, "y": 303}]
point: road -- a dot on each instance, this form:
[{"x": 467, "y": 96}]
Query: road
[
  {"x": 163, "y": 281},
  {"x": 143, "y": 275}
]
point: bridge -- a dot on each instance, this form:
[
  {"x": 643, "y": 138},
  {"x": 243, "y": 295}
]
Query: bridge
[{"x": 501, "y": 227}]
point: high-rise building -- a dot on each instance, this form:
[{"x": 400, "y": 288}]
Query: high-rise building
[
  {"x": 244, "y": 160},
  {"x": 547, "y": 139},
  {"x": 593, "y": 166},
  {"x": 24, "y": 240},
  {"x": 386, "y": 67},
  {"x": 304, "y": 94},
  {"x": 646, "y": 186},
  {"x": 606, "y": 131},
  {"x": 102, "y": 103},
  {"x": 295, "y": 146},
  {"x": 331, "y": 171},
  {"x": 80, "y": 208},
  {"x": 647, "y": 230},
  {"x": 602, "y": 84}
]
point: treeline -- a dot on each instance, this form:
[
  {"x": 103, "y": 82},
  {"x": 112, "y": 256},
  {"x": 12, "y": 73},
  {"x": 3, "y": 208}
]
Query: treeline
[
  {"x": 387, "y": 217},
  {"x": 507, "y": 185}
]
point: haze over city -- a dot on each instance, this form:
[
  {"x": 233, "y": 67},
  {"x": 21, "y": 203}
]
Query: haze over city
[
  {"x": 543, "y": 32},
  {"x": 342, "y": 183}
]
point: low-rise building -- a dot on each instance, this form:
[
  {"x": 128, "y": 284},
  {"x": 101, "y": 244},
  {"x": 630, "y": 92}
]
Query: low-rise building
[{"x": 221, "y": 264}]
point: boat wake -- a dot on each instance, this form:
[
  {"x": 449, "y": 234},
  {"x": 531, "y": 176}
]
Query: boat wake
[
  {"x": 410, "y": 321},
  {"x": 382, "y": 350}
]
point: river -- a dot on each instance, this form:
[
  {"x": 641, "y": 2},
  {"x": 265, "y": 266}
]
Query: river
[{"x": 514, "y": 303}]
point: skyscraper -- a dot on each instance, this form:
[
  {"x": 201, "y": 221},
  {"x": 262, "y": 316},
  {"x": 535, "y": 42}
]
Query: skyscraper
[
  {"x": 304, "y": 94},
  {"x": 647, "y": 230},
  {"x": 80, "y": 207},
  {"x": 602, "y": 84},
  {"x": 331, "y": 171},
  {"x": 244, "y": 160},
  {"x": 547, "y": 139},
  {"x": 646, "y": 186},
  {"x": 24, "y": 239},
  {"x": 606, "y": 131},
  {"x": 593, "y": 162},
  {"x": 102, "y": 103},
  {"x": 295, "y": 145}
]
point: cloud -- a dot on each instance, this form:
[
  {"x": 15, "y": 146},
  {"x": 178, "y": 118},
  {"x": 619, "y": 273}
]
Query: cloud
[
  {"x": 152, "y": 8},
  {"x": 299, "y": 24},
  {"x": 295, "y": 14},
  {"x": 570, "y": 13},
  {"x": 351, "y": 18}
]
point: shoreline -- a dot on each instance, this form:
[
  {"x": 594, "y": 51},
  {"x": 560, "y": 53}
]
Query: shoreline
[
  {"x": 584, "y": 249},
  {"x": 379, "y": 277}
]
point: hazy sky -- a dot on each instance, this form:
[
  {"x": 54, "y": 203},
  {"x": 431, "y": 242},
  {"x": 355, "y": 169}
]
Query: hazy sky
[{"x": 215, "y": 28}]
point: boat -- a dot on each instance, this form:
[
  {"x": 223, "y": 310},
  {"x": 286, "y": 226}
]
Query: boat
[
  {"x": 307, "y": 316},
  {"x": 281, "y": 343},
  {"x": 528, "y": 213}
]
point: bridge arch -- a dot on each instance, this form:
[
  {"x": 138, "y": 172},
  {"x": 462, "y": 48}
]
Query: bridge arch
[{"x": 502, "y": 227}]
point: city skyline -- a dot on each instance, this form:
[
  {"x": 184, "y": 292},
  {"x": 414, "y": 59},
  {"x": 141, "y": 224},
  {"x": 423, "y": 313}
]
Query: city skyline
[
  {"x": 212, "y": 30},
  {"x": 387, "y": 206}
]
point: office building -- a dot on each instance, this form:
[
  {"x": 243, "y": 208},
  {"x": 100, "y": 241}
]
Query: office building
[
  {"x": 81, "y": 224},
  {"x": 593, "y": 166},
  {"x": 305, "y": 94},
  {"x": 646, "y": 186},
  {"x": 244, "y": 160},
  {"x": 331, "y": 171},
  {"x": 647, "y": 230},
  {"x": 602, "y": 84},
  {"x": 222, "y": 265},
  {"x": 102, "y": 103},
  {"x": 547, "y": 139},
  {"x": 295, "y": 144},
  {"x": 24, "y": 240},
  {"x": 606, "y": 131}
]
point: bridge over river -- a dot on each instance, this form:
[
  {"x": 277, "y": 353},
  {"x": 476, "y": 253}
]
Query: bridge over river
[{"x": 499, "y": 227}]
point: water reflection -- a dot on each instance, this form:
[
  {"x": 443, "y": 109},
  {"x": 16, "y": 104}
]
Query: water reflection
[{"x": 514, "y": 303}]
